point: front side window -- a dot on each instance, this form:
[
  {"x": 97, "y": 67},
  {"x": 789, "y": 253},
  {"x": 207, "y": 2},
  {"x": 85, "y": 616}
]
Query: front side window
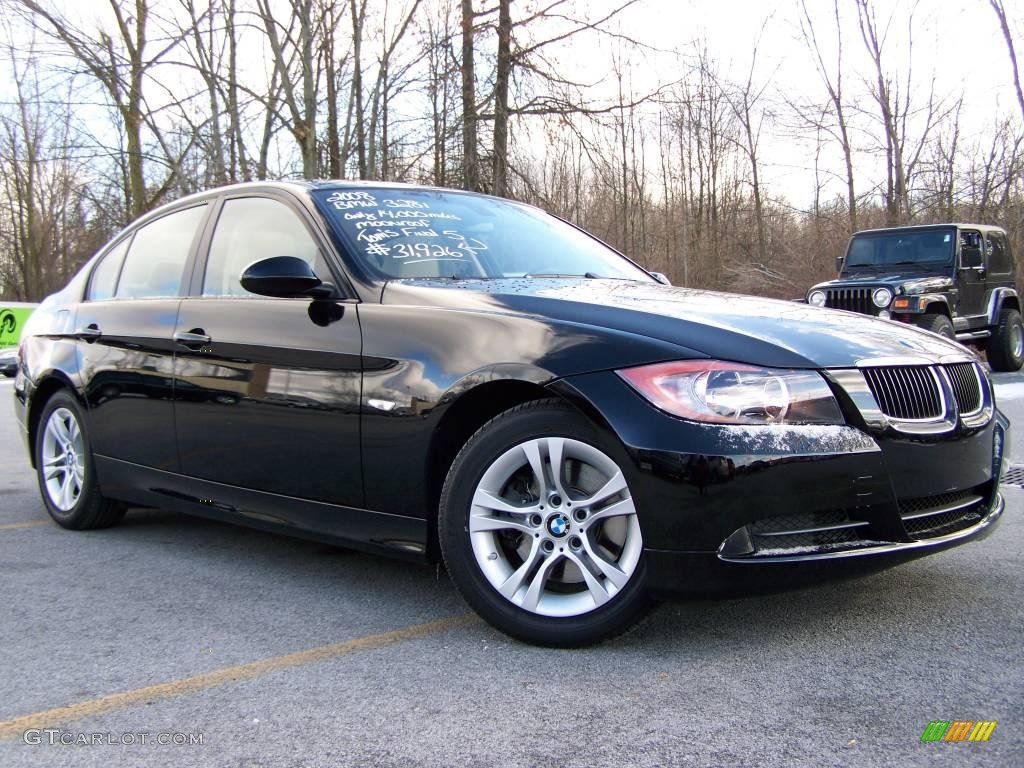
[
  {"x": 104, "y": 275},
  {"x": 408, "y": 233},
  {"x": 156, "y": 259},
  {"x": 250, "y": 229}
]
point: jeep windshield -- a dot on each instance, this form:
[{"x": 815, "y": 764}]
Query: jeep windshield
[
  {"x": 881, "y": 250},
  {"x": 409, "y": 233}
]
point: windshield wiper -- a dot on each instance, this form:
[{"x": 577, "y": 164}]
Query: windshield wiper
[{"x": 588, "y": 275}]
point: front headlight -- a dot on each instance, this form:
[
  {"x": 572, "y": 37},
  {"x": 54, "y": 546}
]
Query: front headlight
[
  {"x": 817, "y": 298},
  {"x": 733, "y": 393},
  {"x": 881, "y": 297}
]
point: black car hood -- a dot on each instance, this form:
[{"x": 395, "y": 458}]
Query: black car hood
[
  {"x": 912, "y": 282},
  {"x": 721, "y": 325}
]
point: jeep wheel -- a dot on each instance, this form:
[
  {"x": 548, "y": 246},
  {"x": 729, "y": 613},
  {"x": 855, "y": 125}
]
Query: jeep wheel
[
  {"x": 1005, "y": 349},
  {"x": 939, "y": 324}
]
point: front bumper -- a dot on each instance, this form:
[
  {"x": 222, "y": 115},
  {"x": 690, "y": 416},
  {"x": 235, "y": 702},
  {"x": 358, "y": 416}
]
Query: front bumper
[
  {"x": 775, "y": 507},
  {"x": 708, "y": 573}
]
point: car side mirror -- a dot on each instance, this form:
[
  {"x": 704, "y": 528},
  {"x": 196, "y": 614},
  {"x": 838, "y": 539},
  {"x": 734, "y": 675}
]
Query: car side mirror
[
  {"x": 660, "y": 277},
  {"x": 839, "y": 263},
  {"x": 285, "y": 277},
  {"x": 970, "y": 258}
]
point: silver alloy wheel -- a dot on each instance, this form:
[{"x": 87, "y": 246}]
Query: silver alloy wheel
[
  {"x": 1017, "y": 339},
  {"x": 553, "y": 527},
  {"x": 63, "y": 459}
]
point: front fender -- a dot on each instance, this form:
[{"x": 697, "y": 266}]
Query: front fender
[{"x": 922, "y": 303}]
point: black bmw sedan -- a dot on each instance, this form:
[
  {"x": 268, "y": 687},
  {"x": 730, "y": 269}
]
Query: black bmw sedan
[{"x": 442, "y": 375}]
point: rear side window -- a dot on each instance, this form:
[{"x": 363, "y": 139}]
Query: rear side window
[
  {"x": 104, "y": 276},
  {"x": 998, "y": 254},
  {"x": 250, "y": 229},
  {"x": 156, "y": 259}
]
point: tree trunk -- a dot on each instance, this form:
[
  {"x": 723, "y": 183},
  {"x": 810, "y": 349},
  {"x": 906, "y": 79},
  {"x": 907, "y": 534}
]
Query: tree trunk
[
  {"x": 502, "y": 72},
  {"x": 357, "y": 84},
  {"x": 470, "y": 179},
  {"x": 308, "y": 137}
]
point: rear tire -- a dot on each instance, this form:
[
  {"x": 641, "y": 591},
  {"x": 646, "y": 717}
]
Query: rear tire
[
  {"x": 1005, "y": 350},
  {"x": 553, "y": 558},
  {"x": 66, "y": 470},
  {"x": 939, "y": 324}
]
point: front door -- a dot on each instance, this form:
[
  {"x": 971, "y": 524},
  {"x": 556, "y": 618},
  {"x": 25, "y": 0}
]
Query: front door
[
  {"x": 971, "y": 299},
  {"x": 268, "y": 390}
]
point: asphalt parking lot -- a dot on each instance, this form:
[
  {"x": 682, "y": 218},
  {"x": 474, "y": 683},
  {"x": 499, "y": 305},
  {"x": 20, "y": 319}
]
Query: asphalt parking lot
[{"x": 277, "y": 652}]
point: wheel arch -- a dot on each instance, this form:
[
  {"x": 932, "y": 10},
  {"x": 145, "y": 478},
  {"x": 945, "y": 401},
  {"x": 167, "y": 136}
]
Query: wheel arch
[
  {"x": 1009, "y": 302},
  {"x": 1002, "y": 298},
  {"x": 468, "y": 412},
  {"x": 48, "y": 386},
  {"x": 937, "y": 305}
]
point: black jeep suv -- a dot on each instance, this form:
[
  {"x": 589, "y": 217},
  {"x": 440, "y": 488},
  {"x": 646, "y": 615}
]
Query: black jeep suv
[{"x": 956, "y": 280}]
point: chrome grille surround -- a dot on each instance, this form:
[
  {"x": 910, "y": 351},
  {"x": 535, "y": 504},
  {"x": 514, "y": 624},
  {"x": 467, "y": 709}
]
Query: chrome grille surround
[{"x": 916, "y": 395}]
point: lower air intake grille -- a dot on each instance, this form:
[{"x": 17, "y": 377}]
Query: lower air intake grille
[
  {"x": 802, "y": 533},
  {"x": 908, "y": 392},
  {"x": 933, "y": 516}
]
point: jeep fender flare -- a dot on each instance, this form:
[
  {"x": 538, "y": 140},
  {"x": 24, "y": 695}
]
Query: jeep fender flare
[
  {"x": 1001, "y": 297},
  {"x": 933, "y": 304}
]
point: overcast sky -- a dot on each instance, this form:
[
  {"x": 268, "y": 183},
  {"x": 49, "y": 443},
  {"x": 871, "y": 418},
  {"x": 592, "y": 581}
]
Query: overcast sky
[{"x": 956, "y": 41}]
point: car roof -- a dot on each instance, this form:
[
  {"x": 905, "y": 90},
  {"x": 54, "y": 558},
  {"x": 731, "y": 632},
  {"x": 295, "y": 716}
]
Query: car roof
[{"x": 913, "y": 227}]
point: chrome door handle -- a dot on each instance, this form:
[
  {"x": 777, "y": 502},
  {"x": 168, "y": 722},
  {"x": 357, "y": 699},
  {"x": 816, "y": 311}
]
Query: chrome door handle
[{"x": 194, "y": 338}]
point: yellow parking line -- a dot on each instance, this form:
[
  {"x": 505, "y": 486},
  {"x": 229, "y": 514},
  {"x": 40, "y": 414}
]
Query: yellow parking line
[
  {"x": 52, "y": 718},
  {"x": 19, "y": 526}
]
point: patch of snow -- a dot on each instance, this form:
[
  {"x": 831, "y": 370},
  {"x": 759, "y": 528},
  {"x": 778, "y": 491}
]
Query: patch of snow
[
  {"x": 789, "y": 440},
  {"x": 1010, "y": 391}
]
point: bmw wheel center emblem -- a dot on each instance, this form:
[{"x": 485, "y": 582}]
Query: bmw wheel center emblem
[{"x": 558, "y": 525}]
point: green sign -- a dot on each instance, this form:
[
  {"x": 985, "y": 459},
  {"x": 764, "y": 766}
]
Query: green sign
[{"x": 12, "y": 320}]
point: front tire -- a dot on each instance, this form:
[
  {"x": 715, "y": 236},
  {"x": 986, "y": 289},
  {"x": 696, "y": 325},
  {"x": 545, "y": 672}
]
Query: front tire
[
  {"x": 539, "y": 531},
  {"x": 65, "y": 469},
  {"x": 1005, "y": 350},
  {"x": 939, "y": 324}
]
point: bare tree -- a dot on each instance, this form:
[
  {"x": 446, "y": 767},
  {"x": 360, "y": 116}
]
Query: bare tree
[
  {"x": 286, "y": 45},
  {"x": 120, "y": 64},
  {"x": 832, "y": 79},
  {"x": 1000, "y": 9},
  {"x": 745, "y": 101}
]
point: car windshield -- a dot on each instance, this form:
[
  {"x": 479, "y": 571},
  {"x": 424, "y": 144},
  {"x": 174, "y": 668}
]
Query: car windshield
[
  {"x": 882, "y": 249},
  {"x": 408, "y": 233}
]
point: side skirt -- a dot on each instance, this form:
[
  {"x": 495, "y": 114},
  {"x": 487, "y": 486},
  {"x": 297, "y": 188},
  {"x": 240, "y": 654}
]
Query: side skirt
[{"x": 378, "y": 532}]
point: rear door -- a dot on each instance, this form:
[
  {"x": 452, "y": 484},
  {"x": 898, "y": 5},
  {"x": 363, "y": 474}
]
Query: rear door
[
  {"x": 268, "y": 390},
  {"x": 124, "y": 329}
]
